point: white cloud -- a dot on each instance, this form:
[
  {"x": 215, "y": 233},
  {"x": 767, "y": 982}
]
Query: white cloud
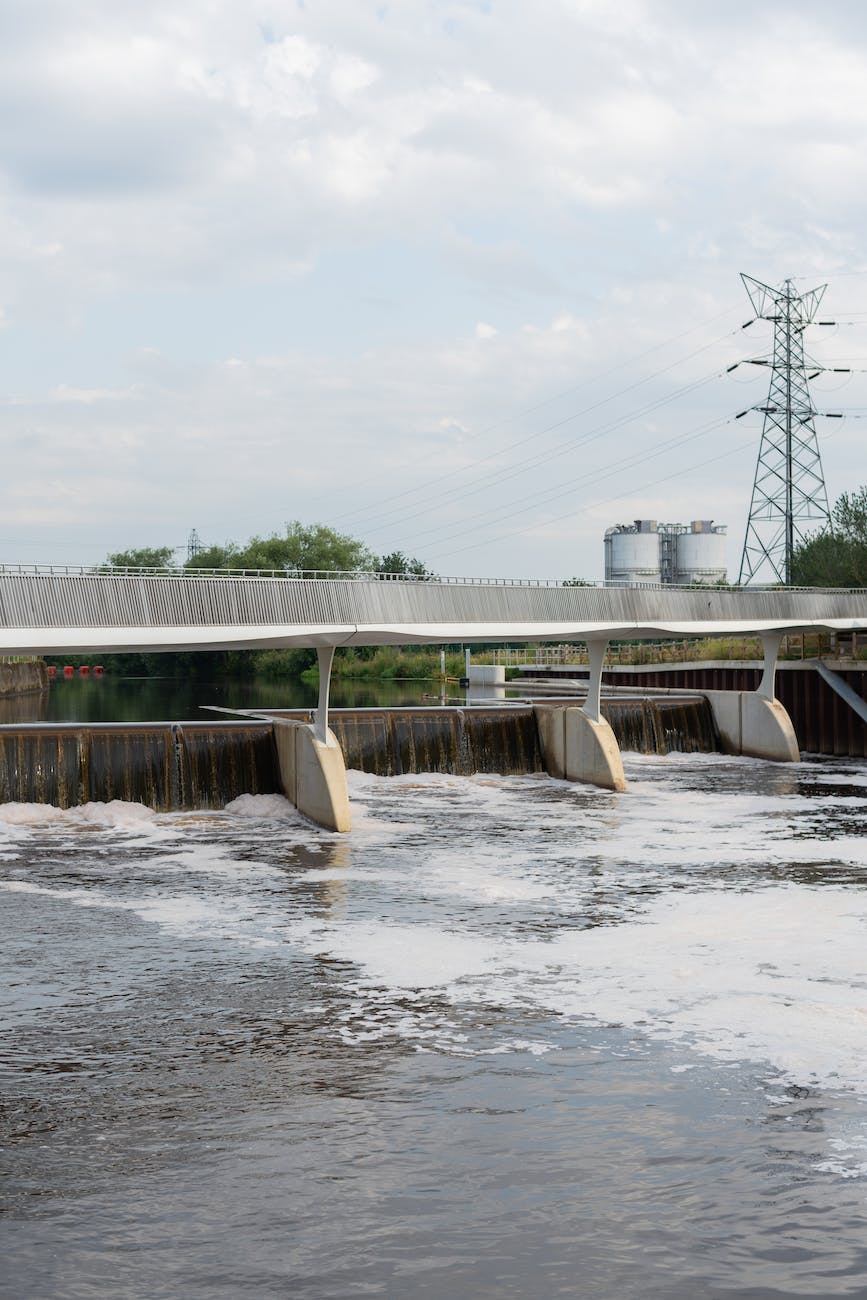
[{"x": 242, "y": 249}]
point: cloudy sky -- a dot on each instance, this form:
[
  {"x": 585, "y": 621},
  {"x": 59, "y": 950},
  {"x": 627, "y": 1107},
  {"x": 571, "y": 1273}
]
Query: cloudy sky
[{"x": 456, "y": 277}]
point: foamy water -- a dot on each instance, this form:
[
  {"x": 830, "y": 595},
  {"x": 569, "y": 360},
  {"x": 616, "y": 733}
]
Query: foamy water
[{"x": 714, "y": 917}]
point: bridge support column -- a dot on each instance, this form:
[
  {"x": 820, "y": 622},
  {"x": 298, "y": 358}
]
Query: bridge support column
[
  {"x": 771, "y": 642},
  {"x": 592, "y": 752},
  {"x": 754, "y": 723},
  {"x": 325, "y": 656},
  {"x": 578, "y": 743},
  {"x": 312, "y": 770}
]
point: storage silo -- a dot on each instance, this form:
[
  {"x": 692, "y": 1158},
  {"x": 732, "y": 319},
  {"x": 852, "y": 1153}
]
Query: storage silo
[
  {"x": 700, "y": 554},
  {"x": 632, "y": 552}
]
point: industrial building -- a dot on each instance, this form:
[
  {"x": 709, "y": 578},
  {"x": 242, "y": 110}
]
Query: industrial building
[{"x": 681, "y": 554}]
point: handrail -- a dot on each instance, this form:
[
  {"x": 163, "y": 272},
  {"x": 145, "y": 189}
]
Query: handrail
[{"x": 374, "y": 575}]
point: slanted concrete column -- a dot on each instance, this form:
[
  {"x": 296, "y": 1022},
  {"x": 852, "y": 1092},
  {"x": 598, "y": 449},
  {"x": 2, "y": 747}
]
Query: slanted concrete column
[
  {"x": 771, "y": 642},
  {"x": 325, "y": 655},
  {"x": 595, "y": 658},
  {"x": 754, "y": 722}
]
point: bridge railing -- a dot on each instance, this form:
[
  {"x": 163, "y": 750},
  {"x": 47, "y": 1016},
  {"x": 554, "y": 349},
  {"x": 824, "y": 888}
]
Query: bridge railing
[{"x": 365, "y": 575}]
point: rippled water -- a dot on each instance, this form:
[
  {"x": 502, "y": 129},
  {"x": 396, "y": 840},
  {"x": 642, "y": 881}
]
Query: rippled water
[{"x": 510, "y": 1038}]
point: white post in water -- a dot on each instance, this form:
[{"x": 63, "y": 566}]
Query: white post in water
[
  {"x": 467, "y": 663},
  {"x": 595, "y": 658},
  {"x": 771, "y": 642},
  {"x": 443, "y": 664},
  {"x": 325, "y": 655}
]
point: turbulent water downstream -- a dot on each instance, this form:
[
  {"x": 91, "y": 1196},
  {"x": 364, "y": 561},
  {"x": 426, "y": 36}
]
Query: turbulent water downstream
[{"x": 511, "y": 1038}]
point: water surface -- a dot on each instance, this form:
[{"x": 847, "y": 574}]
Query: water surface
[
  {"x": 510, "y": 1038},
  {"x": 161, "y": 699}
]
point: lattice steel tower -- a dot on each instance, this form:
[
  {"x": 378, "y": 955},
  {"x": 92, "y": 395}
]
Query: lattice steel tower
[{"x": 789, "y": 498}]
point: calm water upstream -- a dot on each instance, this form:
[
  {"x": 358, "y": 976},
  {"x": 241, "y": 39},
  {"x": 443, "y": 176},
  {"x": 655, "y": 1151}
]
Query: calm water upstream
[
  {"x": 166, "y": 699},
  {"x": 510, "y": 1038}
]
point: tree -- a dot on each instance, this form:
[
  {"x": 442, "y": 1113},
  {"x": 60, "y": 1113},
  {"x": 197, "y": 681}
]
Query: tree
[
  {"x": 145, "y": 557},
  {"x": 215, "y": 557},
  {"x": 303, "y": 547},
  {"x": 836, "y": 558},
  {"x": 397, "y": 562}
]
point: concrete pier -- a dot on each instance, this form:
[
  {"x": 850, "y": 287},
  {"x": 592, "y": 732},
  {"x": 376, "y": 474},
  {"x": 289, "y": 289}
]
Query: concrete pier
[
  {"x": 313, "y": 773},
  {"x": 754, "y": 726},
  {"x": 577, "y": 747}
]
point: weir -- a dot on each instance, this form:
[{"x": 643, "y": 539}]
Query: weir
[
  {"x": 175, "y": 766},
  {"x": 164, "y": 766}
]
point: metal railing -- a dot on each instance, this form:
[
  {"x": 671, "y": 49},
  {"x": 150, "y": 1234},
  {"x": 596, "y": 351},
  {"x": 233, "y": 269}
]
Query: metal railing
[
  {"x": 378, "y": 575},
  {"x": 795, "y": 646}
]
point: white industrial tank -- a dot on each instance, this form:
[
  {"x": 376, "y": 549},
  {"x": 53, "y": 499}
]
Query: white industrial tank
[
  {"x": 632, "y": 552},
  {"x": 700, "y": 554}
]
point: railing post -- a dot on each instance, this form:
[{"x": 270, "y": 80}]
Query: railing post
[{"x": 325, "y": 655}]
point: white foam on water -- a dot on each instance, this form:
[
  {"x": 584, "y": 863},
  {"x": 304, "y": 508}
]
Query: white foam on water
[
  {"x": 776, "y": 978},
  {"x": 473, "y": 891},
  {"x": 264, "y": 807},
  {"x": 183, "y": 915},
  {"x": 408, "y": 957},
  {"x": 770, "y": 973},
  {"x": 116, "y": 813}
]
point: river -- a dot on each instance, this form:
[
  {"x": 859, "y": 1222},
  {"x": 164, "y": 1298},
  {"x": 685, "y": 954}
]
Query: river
[
  {"x": 167, "y": 699},
  {"x": 510, "y": 1038}
]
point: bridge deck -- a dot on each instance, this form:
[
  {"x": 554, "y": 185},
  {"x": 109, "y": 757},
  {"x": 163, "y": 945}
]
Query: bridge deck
[{"x": 46, "y": 611}]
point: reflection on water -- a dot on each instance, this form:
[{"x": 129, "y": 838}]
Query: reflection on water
[
  {"x": 24, "y": 708},
  {"x": 166, "y": 699}
]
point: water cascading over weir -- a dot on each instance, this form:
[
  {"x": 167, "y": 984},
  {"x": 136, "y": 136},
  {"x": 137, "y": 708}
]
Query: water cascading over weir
[
  {"x": 173, "y": 766},
  {"x": 166, "y": 766}
]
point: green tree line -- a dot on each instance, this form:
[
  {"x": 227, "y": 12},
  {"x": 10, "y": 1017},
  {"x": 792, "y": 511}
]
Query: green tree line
[
  {"x": 300, "y": 547},
  {"x": 836, "y": 557}
]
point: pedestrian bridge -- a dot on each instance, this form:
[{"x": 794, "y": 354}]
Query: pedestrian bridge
[
  {"x": 52, "y": 609},
  {"x": 65, "y": 610}
]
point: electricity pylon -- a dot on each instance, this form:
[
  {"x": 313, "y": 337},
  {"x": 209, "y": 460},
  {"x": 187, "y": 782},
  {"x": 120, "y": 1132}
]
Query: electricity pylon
[{"x": 789, "y": 494}]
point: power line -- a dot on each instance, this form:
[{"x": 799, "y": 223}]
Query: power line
[
  {"x": 546, "y": 457},
  {"x": 348, "y": 516},
  {"x": 593, "y": 505},
  {"x": 555, "y": 494}
]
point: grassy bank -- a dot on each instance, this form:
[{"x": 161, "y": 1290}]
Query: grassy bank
[{"x": 390, "y": 663}]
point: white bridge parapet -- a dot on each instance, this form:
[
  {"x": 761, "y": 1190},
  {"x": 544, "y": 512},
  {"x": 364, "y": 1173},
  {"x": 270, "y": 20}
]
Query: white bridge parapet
[{"x": 43, "y": 610}]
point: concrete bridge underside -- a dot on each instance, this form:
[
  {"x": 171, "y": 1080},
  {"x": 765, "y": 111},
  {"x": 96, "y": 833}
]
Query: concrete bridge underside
[{"x": 83, "y": 611}]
